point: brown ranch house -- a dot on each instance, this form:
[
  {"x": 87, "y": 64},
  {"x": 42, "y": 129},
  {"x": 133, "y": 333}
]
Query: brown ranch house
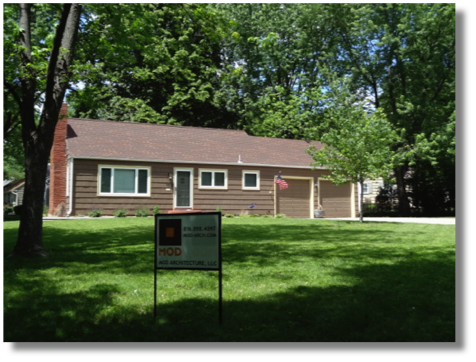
[{"x": 109, "y": 165}]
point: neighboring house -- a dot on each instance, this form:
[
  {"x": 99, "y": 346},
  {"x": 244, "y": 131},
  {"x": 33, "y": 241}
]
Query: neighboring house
[
  {"x": 371, "y": 189},
  {"x": 13, "y": 192},
  {"x": 110, "y": 165}
]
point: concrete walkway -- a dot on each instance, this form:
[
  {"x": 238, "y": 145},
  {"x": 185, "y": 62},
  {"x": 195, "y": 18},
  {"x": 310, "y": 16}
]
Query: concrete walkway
[
  {"x": 416, "y": 220},
  {"x": 49, "y": 218}
]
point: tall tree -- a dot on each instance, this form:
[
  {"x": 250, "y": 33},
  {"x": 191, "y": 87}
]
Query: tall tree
[
  {"x": 357, "y": 142},
  {"x": 37, "y": 73},
  {"x": 403, "y": 56}
]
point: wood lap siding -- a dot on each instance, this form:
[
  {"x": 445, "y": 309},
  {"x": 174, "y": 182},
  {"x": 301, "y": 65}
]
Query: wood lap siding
[
  {"x": 86, "y": 196},
  {"x": 234, "y": 200}
]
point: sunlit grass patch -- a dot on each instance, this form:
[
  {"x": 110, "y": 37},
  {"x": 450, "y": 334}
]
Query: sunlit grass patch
[{"x": 283, "y": 280}]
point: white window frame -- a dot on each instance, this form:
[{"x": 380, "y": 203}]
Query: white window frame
[
  {"x": 213, "y": 171},
  {"x": 366, "y": 188},
  {"x": 135, "y": 193},
  {"x": 258, "y": 178}
]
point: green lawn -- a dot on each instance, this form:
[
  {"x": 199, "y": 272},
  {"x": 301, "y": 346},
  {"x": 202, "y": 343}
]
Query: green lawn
[{"x": 283, "y": 280}]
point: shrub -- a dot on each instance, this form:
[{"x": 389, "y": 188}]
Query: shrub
[
  {"x": 229, "y": 216},
  {"x": 387, "y": 199},
  {"x": 120, "y": 213},
  {"x": 17, "y": 209},
  {"x": 156, "y": 210},
  {"x": 255, "y": 215},
  {"x": 142, "y": 212},
  {"x": 280, "y": 216},
  {"x": 7, "y": 210},
  {"x": 95, "y": 213},
  {"x": 370, "y": 209},
  {"x": 266, "y": 216},
  {"x": 218, "y": 209},
  {"x": 45, "y": 210}
]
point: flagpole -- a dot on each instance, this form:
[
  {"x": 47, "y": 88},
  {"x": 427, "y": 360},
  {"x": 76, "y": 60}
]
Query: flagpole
[{"x": 272, "y": 186}]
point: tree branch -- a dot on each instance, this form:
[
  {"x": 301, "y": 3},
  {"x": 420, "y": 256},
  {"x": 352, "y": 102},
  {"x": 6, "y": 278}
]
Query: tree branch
[
  {"x": 12, "y": 91},
  {"x": 439, "y": 88},
  {"x": 59, "y": 66},
  {"x": 12, "y": 122},
  {"x": 50, "y": 77},
  {"x": 28, "y": 81}
]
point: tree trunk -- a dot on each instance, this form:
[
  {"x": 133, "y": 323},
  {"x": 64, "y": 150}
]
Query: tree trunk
[
  {"x": 30, "y": 233},
  {"x": 361, "y": 201},
  {"x": 38, "y": 139},
  {"x": 403, "y": 202}
]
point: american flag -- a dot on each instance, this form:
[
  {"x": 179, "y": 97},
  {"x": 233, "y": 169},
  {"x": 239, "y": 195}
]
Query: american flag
[{"x": 282, "y": 184}]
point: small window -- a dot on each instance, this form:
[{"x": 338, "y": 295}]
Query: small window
[
  {"x": 216, "y": 179},
  {"x": 124, "y": 181},
  {"x": 251, "y": 180},
  {"x": 366, "y": 188}
]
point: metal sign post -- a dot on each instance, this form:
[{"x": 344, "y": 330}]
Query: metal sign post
[{"x": 189, "y": 241}]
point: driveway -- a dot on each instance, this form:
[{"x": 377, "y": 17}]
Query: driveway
[{"x": 416, "y": 220}]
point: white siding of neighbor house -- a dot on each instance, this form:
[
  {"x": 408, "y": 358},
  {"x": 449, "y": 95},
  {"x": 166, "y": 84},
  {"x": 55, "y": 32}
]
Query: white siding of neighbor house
[
  {"x": 374, "y": 185},
  {"x": 14, "y": 197}
]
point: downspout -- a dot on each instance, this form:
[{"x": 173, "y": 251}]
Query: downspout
[
  {"x": 16, "y": 197},
  {"x": 71, "y": 167}
]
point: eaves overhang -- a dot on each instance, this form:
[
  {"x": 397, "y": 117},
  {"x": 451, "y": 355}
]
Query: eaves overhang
[{"x": 197, "y": 162}]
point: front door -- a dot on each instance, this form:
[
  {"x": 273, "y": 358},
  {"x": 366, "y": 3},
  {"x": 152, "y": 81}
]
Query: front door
[{"x": 183, "y": 189}]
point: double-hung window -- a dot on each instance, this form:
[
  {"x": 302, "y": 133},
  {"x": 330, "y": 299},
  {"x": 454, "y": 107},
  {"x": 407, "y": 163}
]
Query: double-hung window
[
  {"x": 124, "y": 181},
  {"x": 213, "y": 179},
  {"x": 366, "y": 188},
  {"x": 251, "y": 180}
]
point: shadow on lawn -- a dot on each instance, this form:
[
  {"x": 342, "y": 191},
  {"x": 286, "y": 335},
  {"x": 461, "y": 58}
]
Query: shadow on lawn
[
  {"x": 131, "y": 250},
  {"x": 411, "y": 300},
  {"x": 384, "y": 307}
]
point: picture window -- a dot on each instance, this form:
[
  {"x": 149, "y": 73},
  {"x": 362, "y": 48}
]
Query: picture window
[{"x": 124, "y": 181}]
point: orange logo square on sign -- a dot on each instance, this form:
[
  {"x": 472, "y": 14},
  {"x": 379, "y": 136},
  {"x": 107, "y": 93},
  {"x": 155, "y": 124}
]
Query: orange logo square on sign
[{"x": 169, "y": 232}]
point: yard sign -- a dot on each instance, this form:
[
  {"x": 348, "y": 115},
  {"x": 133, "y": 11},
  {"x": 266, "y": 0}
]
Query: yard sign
[{"x": 189, "y": 241}]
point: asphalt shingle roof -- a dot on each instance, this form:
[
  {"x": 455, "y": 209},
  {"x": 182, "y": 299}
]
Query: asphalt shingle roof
[{"x": 156, "y": 142}]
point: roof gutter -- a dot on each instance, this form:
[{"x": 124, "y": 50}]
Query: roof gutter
[{"x": 200, "y": 163}]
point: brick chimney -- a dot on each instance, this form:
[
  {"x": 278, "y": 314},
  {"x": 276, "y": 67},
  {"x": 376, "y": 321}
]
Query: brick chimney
[{"x": 58, "y": 169}]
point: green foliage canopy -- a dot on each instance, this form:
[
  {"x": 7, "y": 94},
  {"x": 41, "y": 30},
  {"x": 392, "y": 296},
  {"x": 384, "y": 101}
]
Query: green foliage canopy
[
  {"x": 403, "y": 56},
  {"x": 357, "y": 143},
  {"x": 149, "y": 63}
]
